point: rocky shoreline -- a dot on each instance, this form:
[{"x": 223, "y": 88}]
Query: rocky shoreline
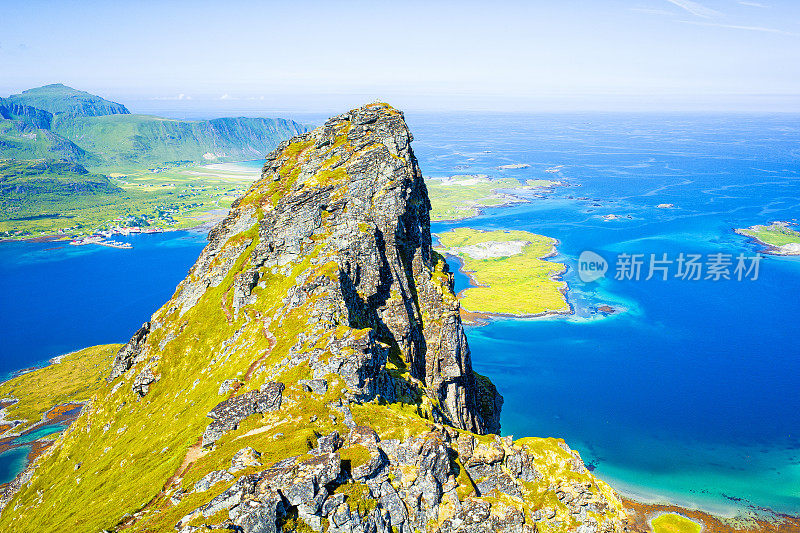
[{"x": 790, "y": 249}]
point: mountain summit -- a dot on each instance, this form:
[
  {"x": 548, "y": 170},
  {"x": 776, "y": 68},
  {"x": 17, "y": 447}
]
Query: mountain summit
[
  {"x": 58, "y": 98},
  {"x": 310, "y": 373}
]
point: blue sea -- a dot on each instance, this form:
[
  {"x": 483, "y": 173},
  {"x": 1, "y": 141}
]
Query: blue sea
[{"x": 688, "y": 394}]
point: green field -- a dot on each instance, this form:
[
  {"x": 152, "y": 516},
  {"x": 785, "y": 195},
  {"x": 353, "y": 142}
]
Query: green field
[
  {"x": 517, "y": 281},
  {"x": 460, "y": 197}
]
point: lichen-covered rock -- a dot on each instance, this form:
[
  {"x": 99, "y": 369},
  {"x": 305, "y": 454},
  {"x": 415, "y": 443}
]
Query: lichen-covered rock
[
  {"x": 212, "y": 478},
  {"x": 244, "y": 458}
]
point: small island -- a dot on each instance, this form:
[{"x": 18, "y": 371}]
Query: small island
[
  {"x": 779, "y": 238},
  {"x": 460, "y": 197},
  {"x": 509, "y": 271}
]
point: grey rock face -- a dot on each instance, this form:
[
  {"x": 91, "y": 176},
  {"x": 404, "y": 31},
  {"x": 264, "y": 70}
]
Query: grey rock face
[
  {"x": 228, "y": 414},
  {"x": 244, "y": 458},
  {"x": 141, "y": 385},
  {"x": 317, "y": 386},
  {"x": 356, "y": 198},
  {"x": 128, "y": 353},
  {"x": 378, "y": 232},
  {"x": 212, "y": 478}
]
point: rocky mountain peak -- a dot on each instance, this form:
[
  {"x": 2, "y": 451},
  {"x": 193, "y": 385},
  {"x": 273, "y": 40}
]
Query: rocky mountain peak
[
  {"x": 311, "y": 373},
  {"x": 347, "y": 202}
]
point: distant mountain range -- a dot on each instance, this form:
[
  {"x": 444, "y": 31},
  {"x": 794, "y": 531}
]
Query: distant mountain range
[{"x": 57, "y": 122}]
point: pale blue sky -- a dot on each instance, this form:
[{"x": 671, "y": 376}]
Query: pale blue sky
[{"x": 321, "y": 56}]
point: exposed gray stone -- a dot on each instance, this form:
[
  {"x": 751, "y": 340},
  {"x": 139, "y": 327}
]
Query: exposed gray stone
[
  {"x": 229, "y": 413},
  {"x": 244, "y": 458},
  {"x": 127, "y": 354},
  {"x": 212, "y": 478},
  {"x": 141, "y": 385},
  {"x": 317, "y": 386}
]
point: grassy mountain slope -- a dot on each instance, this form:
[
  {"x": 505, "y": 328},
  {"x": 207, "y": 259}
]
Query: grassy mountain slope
[
  {"x": 52, "y": 194},
  {"x": 60, "y": 99},
  {"x": 31, "y": 116},
  {"x": 21, "y": 140},
  {"x": 26, "y": 178}
]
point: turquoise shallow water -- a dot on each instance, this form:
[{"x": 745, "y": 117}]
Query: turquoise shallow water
[
  {"x": 12, "y": 462},
  {"x": 689, "y": 395}
]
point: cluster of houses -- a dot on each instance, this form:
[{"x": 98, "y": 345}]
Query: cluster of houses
[{"x": 103, "y": 237}]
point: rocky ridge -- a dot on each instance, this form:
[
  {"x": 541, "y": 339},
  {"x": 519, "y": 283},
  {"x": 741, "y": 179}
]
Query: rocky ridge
[{"x": 311, "y": 373}]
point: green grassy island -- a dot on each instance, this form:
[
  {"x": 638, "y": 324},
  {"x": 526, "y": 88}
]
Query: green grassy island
[
  {"x": 460, "y": 197},
  {"x": 509, "y": 268},
  {"x": 779, "y": 238}
]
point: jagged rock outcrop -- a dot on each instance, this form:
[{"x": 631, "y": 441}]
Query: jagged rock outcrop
[
  {"x": 310, "y": 373},
  {"x": 355, "y": 196}
]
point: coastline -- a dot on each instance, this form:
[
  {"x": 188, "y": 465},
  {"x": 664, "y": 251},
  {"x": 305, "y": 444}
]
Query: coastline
[
  {"x": 643, "y": 513},
  {"x": 231, "y": 169},
  {"x": 204, "y": 223},
  {"x": 509, "y": 197}
]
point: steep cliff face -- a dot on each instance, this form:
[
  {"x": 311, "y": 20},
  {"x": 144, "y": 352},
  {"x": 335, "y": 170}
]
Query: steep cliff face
[
  {"x": 311, "y": 372},
  {"x": 31, "y": 116},
  {"x": 351, "y": 198},
  {"x": 124, "y": 139}
]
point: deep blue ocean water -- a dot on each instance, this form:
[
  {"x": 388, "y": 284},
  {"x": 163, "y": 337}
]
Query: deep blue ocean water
[
  {"x": 689, "y": 395},
  {"x": 58, "y": 298}
]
